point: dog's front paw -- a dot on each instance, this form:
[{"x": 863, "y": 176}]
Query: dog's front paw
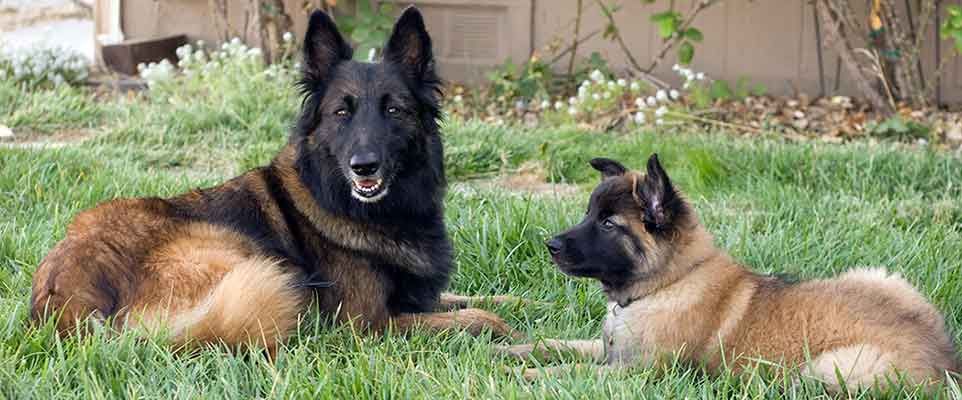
[
  {"x": 477, "y": 321},
  {"x": 521, "y": 351},
  {"x": 528, "y": 374}
]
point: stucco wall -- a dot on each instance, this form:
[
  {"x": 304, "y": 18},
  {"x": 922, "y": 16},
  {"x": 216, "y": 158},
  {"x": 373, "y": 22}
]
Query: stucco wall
[{"x": 772, "y": 42}]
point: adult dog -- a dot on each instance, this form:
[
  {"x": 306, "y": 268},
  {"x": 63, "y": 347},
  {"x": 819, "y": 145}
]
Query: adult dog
[
  {"x": 672, "y": 293},
  {"x": 349, "y": 212}
]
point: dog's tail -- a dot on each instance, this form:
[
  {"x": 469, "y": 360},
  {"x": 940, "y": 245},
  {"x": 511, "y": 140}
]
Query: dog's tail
[{"x": 255, "y": 303}]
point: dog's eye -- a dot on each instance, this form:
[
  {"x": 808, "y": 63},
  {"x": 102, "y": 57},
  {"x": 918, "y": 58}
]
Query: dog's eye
[
  {"x": 607, "y": 224},
  {"x": 341, "y": 112},
  {"x": 393, "y": 110}
]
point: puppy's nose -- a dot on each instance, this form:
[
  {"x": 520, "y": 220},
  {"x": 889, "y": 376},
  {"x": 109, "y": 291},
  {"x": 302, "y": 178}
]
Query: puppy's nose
[
  {"x": 365, "y": 164},
  {"x": 554, "y": 245}
]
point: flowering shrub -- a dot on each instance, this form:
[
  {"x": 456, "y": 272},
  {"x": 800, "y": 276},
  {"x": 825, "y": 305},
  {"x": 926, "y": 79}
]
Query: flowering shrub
[
  {"x": 610, "y": 102},
  {"x": 200, "y": 70},
  {"x": 44, "y": 66}
]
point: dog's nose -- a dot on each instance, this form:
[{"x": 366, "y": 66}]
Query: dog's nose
[
  {"x": 365, "y": 164},
  {"x": 554, "y": 245}
]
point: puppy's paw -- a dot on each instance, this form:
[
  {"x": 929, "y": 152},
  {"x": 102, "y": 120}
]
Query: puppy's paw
[
  {"x": 521, "y": 351},
  {"x": 530, "y": 374}
]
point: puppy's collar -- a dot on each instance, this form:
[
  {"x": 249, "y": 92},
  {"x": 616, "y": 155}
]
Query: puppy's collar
[
  {"x": 615, "y": 295},
  {"x": 626, "y": 302}
]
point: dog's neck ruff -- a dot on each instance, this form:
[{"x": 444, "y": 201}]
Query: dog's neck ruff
[
  {"x": 638, "y": 289},
  {"x": 351, "y": 234}
]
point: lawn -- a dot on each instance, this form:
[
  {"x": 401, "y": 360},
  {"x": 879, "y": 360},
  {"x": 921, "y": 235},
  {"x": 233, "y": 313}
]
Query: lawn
[{"x": 805, "y": 209}]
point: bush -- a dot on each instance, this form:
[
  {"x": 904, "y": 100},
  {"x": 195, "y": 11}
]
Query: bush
[{"x": 43, "y": 66}]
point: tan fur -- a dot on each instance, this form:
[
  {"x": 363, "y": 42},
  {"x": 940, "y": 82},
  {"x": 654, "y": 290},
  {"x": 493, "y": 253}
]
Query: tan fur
[
  {"x": 253, "y": 303},
  {"x": 706, "y": 309}
]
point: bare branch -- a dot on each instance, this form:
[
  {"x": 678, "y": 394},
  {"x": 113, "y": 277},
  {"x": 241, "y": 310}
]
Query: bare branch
[{"x": 835, "y": 34}]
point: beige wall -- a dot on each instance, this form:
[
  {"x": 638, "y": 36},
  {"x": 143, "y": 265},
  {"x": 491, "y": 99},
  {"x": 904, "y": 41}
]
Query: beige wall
[{"x": 772, "y": 42}]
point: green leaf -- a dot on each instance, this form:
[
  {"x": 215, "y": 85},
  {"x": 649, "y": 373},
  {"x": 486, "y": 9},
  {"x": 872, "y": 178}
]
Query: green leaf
[
  {"x": 610, "y": 31},
  {"x": 759, "y": 90},
  {"x": 954, "y": 10},
  {"x": 694, "y": 35},
  {"x": 658, "y": 17},
  {"x": 666, "y": 28},
  {"x": 686, "y": 52},
  {"x": 721, "y": 90},
  {"x": 364, "y": 7}
]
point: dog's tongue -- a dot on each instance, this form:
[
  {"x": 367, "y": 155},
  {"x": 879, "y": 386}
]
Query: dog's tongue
[{"x": 367, "y": 183}]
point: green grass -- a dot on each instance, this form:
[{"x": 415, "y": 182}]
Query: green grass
[{"x": 806, "y": 209}]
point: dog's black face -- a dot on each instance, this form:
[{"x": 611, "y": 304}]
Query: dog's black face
[
  {"x": 629, "y": 218},
  {"x": 370, "y": 129}
]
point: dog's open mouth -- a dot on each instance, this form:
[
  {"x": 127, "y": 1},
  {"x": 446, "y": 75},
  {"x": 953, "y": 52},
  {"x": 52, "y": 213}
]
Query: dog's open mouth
[{"x": 369, "y": 190}]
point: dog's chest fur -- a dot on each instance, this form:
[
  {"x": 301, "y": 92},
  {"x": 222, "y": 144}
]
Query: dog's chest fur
[
  {"x": 658, "y": 324},
  {"x": 621, "y": 335}
]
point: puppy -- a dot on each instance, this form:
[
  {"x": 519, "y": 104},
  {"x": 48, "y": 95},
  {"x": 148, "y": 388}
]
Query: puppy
[{"x": 674, "y": 295}]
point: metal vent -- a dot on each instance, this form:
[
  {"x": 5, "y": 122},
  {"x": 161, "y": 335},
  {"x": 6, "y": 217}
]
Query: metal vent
[{"x": 474, "y": 35}]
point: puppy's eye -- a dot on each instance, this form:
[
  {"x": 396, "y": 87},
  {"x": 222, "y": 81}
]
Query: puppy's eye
[
  {"x": 342, "y": 112},
  {"x": 393, "y": 110},
  {"x": 607, "y": 224}
]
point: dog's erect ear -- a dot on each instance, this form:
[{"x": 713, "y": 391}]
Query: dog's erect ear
[
  {"x": 609, "y": 168},
  {"x": 657, "y": 197},
  {"x": 409, "y": 46},
  {"x": 324, "y": 47}
]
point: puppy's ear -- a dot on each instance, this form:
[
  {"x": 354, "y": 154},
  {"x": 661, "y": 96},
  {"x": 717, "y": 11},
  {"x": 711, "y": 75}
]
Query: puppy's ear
[
  {"x": 660, "y": 202},
  {"x": 609, "y": 168},
  {"x": 324, "y": 47},
  {"x": 409, "y": 46}
]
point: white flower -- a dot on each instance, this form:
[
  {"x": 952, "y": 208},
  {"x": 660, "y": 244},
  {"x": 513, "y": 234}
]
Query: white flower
[
  {"x": 288, "y": 37},
  {"x": 235, "y": 41},
  {"x": 585, "y": 84},
  {"x": 596, "y": 97},
  {"x": 700, "y": 76},
  {"x": 674, "y": 94},
  {"x": 612, "y": 85},
  {"x": 635, "y": 86},
  {"x": 662, "y": 95},
  {"x": 607, "y": 95},
  {"x": 200, "y": 44},
  {"x": 558, "y": 105},
  {"x": 661, "y": 111},
  {"x": 676, "y": 67},
  {"x": 640, "y": 102},
  {"x": 572, "y": 111},
  {"x": 458, "y": 99},
  {"x": 639, "y": 118},
  {"x": 573, "y": 100},
  {"x": 545, "y": 104},
  {"x": 519, "y": 105},
  {"x": 659, "y": 121},
  {"x": 597, "y": 75},
  {"x": 651, "y": 101},
  {"x": 371, "y": 54},
  {"x": 622, "y": 82}
]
